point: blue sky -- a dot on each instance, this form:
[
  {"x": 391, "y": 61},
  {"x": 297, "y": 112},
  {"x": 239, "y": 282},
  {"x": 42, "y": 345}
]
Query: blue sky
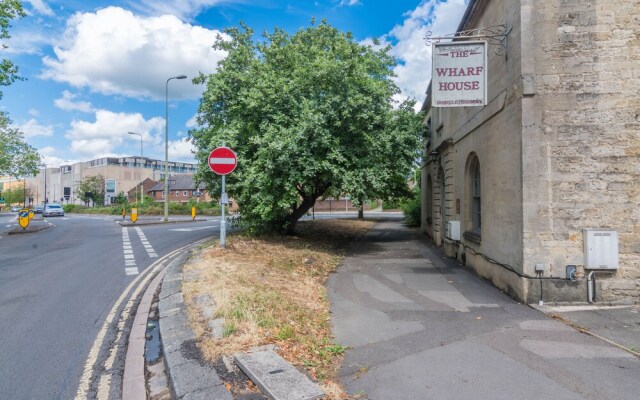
[{"x": 96, "y": 70}]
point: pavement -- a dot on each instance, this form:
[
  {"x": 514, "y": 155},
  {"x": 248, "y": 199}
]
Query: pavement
[{"x": 420, "y": 326}]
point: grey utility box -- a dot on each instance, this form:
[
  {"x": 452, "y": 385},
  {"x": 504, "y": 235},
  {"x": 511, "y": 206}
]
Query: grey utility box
[{"x": 600, "y": 249}]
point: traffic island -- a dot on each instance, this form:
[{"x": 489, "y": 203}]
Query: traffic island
[{"x": 31, "y": 228}]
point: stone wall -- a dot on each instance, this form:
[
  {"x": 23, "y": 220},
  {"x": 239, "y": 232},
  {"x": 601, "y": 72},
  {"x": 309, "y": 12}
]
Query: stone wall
[{"x": 584, "y": 119}]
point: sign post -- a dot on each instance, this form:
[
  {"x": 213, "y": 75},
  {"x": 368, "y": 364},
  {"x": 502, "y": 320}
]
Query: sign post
[{"x": 223, "y": 161}]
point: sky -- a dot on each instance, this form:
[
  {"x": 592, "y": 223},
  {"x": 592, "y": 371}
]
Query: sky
[{"x": 96, "y": 70}]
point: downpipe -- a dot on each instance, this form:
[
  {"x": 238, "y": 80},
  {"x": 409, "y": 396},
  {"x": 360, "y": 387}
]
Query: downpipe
[{"x": 591, "y": 285}]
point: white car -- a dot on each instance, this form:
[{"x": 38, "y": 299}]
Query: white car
[{"x": 53, "y": 209}]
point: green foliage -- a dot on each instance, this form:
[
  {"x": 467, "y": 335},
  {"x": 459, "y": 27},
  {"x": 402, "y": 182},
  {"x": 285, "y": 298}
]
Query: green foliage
[
  {"x": 93, "y": 185},
  {"x": 393, "y": 203},
  {"x": 13, "y": 196},
  {"x": 152, "y": 208},
  {"x": 412, "y": 210},
  {"x": 309, "y": 115},
  {"x": 121, "y": 199},
  {"x": 285, "y": 332},
  {"x": 9, "y": 10},
  {"x": 17, "y": 158}
]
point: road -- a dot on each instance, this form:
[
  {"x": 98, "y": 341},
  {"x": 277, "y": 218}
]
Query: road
[{"x": 58, "y": 286}]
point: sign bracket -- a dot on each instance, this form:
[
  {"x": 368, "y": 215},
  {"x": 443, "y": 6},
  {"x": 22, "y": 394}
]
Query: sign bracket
[{"x": 495, "y": 35}]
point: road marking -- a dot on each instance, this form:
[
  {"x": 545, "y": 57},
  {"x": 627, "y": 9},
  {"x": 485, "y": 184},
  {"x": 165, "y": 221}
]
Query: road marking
[
  {"x": 129, "y": 258},
  {"x": 92, "y": 358},
  {"x": 192, "y": 229},
  {"x": 147, "y": 246}
]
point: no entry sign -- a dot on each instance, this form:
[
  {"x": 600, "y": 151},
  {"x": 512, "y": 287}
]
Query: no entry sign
[{"x": 222, "y": 160}]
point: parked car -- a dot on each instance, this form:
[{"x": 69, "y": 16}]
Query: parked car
[
  {"x": 38, "y": 209},
  {"x": 52, "y": 209},
  {"x": 15, "y": 208}
]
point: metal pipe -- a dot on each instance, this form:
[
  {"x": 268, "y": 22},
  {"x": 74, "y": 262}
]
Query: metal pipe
[{"x": 590, "y": 287}]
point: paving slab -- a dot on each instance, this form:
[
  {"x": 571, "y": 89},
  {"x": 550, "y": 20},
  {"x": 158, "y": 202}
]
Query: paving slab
[{"x": 276, "y": 378}]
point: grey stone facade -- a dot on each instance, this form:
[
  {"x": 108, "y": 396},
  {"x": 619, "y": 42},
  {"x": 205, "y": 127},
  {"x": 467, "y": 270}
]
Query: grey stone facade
[{"x": 558, "y": 147}]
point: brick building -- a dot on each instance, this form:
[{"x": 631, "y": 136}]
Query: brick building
[
  {"x": 552, "y": 159},
  {"x": 182, "y": 188}
]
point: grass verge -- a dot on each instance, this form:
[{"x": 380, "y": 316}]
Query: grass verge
[{"x": 271, "y": 290}]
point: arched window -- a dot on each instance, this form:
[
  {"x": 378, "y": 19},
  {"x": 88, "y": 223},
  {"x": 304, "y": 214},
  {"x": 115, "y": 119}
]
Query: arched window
[
  {"x": 441, "y": 190},
  {"x": 476, "y": 196},
  {"x": 429, "y": 200}
]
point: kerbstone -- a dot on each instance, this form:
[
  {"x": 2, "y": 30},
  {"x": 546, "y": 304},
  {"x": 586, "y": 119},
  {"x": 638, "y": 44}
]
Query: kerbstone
[{"x": 192, "y": 376}]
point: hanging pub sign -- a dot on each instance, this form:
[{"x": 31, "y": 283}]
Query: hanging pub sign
[{"x": 459, "y": 76}]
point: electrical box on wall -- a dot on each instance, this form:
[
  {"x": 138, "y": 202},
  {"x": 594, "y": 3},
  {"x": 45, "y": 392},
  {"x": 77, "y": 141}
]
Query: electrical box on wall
[
  {"x": 600, "y": 249},
  {"x": 453, "y": 230}
]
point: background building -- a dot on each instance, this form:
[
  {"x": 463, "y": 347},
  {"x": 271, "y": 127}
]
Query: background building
[
  {"x": 121, "y": 174},
  {"x": 182, "y": 188},
  {"x": 554, "y": 153}
]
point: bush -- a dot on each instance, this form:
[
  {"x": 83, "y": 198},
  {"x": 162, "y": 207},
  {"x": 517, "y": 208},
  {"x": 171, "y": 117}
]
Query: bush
[
  {"x": 411, "y": 209},
  {"x": 392, "y": 204}
]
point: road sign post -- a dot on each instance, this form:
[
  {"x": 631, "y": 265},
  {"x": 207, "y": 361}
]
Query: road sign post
[
  {"x": 134, "y": 215},
  {"x": 223, "y": 161}
]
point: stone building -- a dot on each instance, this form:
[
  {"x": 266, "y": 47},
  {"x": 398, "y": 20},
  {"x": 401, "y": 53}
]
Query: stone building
[{"x": 554, "y": 154}]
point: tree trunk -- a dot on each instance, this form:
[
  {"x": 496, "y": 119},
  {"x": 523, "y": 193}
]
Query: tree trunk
[
  {"x": 307, "y": 203},
  {"x": 361, "y": 209}
]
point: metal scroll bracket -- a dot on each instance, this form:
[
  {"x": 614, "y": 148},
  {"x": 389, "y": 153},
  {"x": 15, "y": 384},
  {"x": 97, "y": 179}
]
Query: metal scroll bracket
[{"x": 494, "y": 35}]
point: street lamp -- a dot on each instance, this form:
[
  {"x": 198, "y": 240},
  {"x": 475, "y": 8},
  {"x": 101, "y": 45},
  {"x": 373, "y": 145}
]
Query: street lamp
[
  {"x": 139, "y": 134},
  {"x": 166, "y": 145}
]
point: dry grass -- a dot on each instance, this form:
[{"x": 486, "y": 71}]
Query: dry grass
[{"x": 272, "y": 291}]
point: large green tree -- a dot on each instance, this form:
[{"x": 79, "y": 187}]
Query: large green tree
[
  {"x": 309, "y": 115},
  {"x": 17, "y": 158},
  {"x": 9, "y": 10}
]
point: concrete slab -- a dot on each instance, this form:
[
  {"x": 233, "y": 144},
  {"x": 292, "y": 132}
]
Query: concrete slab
[
  {"x": 276, "y": 378},
  {"x": 479, "y": 373}
]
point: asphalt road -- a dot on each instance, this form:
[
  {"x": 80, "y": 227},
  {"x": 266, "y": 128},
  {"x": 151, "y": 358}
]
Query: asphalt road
[{"x": 57, "y": 287}]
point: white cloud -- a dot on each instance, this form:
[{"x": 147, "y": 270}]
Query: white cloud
[
  {"x": 32, "y": 128},
  {"x": 33, "y": 112},
  {"x": 26, "y": 42},
  {"x": 181, "y": 150},
  {"x": 113, "y": 51},
  {"x": 109, "y": 131},
  {"x": 41, "y": 7},
  {"x": 183, "y": 9},
  {"x": 410, "y": 47},
  {"x": 349, "y": 3},
  {"x": 192, "y": 122},
  {"x": 67, "y": 103},
  {"x": 52, "y": 159}
]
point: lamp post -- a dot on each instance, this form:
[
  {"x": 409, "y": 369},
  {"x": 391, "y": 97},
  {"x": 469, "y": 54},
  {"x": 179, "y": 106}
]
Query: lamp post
[
  {"x": 134, "y": 133},
  {"x": 166, "y": 145},
  {"x": 139, "y": 134},
  {"x": 45, "y": 184}
]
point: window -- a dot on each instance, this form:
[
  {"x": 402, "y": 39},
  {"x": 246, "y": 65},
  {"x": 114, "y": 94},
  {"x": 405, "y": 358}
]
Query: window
[
  {"x": 429, "y": 200},
  {"x": 476, "y": 195},
  {"x": 441, "y": 188},
  {"x": 162, "y": 194},
  {"x": 184, "y": 194}
]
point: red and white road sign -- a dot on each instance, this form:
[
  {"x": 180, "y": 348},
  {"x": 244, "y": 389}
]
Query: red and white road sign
[{"x": 222, "y": 160}]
